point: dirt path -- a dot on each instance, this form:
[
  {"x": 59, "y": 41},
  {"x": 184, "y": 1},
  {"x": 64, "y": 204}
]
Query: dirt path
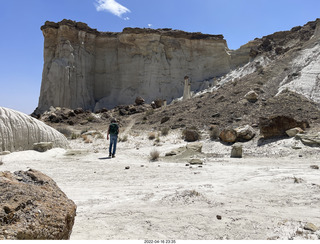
[{"x": 130, "y": 125}]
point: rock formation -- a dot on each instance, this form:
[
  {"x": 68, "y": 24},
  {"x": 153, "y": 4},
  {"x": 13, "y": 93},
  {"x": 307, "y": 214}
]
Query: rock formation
[
  {"x": 90, "y": 69},
  {"x": 305, "y": 69},
  {"x": 186, "y": 89},
  {"x": 19, "y": 132},
  {"x": 278, "y": 125},
  {"x": 32, "y": 207},
  {"x": 236, "y": 150},
  {"x": 225, "y": 106}
]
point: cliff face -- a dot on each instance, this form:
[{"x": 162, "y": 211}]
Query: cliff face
[{"x": 90, "y": 69}]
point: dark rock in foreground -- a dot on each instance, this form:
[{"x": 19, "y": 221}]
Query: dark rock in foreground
[{"x": 32, "y": 207}]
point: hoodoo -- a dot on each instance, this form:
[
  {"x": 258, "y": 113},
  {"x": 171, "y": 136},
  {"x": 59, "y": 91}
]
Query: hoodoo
[{"x": 90, "y": 69}]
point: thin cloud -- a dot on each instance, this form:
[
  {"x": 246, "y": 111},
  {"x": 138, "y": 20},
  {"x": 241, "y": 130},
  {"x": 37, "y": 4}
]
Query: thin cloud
[{"x": 113, "y": 7}]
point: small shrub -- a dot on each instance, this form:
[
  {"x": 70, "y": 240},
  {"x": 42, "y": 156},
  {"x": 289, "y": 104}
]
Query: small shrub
[
  {"x": 165, "y": 131},
  {"x": 154, "y": 155},
  {"x": 214, "y": 132},
  {"x": 123, "y": 138},
  {"x": 190, "y": 193},
  {"x": 74, "y": 136},
  {"x": 149, "y": 112},
  {"x": 157, "y": 140},
  {"x": 99, "y": 136},
  {"x": 152, "y": 135},
  {"x": 91, "y": 118},
  {"x": 65, "y": 131}
]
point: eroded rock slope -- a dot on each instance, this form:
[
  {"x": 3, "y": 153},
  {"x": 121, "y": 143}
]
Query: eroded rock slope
[{"x": 19, "y": 131}]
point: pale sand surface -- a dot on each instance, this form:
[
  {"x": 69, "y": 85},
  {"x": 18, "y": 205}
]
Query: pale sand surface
[{"x": 272, "y": 192}]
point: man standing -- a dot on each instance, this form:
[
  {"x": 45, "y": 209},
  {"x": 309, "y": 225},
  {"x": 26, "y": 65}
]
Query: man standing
[{"x": 113, "y": 131}]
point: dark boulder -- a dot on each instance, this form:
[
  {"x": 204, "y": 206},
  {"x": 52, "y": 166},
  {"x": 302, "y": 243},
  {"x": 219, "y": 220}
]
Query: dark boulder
[
  {"x": 139, "y": 100},
  {"x": 278, "y": 125},
  {"x": 32, "y": 207}
]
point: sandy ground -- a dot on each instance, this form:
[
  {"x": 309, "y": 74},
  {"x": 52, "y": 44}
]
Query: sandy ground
[{"x": 270, "y": 193}]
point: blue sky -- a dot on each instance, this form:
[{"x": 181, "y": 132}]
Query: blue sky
[{"x": 21, "y": 41}]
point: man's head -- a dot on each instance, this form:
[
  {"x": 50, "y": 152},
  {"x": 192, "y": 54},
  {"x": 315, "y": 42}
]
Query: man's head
[{"x": 113, "y": 120}]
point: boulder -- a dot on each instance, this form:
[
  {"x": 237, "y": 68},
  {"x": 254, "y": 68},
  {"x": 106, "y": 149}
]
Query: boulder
[
  {"x": 187, "y": 151},
  {"x": 195, "y": 161},
  {"x": 171, "y": 153},
  {"x": 153, "y": 105},
  {"x": 158, "y": 103},
  {"x": 78, "y": 111},
  {"x": 53, "y": 118},
  {"x": 236, "y": 151},
  {"x": 245, "y": 133},
  {"x": 228, "y": 135},
  {"x": 19, "y": 131},
  {"x": 191, "y": 135},
  {"x": 311, "y": 227},
  {"x": 164, "y": 119},
  {"x": 251, "y": 96},
  {"x": 42, "y": 146},
  {"x": 102, "y": 110},
  {"x": 195, "y": 146},
  {"x": 139, "y": 100},
  {"x": 32, "y": 207},
  {"x": 278, "y": 125},
  {"x": 292, "y": 132},
  {"x": 312, "y": 140}
]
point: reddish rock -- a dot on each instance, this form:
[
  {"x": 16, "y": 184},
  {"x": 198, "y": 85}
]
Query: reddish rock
[{"x": 228, "y": 135}]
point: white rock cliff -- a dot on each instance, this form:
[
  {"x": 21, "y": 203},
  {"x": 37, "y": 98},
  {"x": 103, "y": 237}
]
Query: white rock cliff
[{"x": 90, "y": 69}]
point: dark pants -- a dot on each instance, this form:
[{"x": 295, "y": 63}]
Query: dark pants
[{"x": 113, "y": 142}]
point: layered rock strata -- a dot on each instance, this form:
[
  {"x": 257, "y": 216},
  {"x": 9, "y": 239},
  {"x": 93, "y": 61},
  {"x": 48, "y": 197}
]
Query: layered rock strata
[
  {"x": 90, "y": 69},
  {"x": 19, "y": 131}
]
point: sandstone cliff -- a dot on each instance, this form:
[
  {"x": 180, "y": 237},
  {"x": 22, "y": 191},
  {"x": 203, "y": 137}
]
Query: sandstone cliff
[
  {"x": 90, "y": 69},
  {"x": 19, "y": 132}
]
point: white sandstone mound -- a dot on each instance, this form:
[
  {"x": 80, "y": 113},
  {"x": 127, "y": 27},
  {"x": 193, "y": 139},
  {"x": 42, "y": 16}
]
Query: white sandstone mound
[{"x": 19, "y": 132}]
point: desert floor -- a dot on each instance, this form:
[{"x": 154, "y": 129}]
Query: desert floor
[{"x": 270, "y": 193}]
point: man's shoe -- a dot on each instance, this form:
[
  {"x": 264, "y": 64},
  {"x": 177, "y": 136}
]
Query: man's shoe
[
  {"x": 113, "y": 155},
  {"x": 109, "y": 154}
]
